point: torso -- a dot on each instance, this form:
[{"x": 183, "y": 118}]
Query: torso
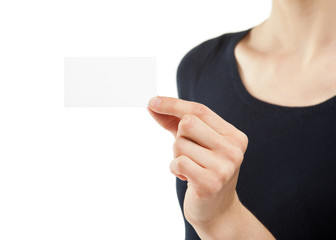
[
  {"x": 287, "y": 179},
  {"x": 282, "y": 79}
]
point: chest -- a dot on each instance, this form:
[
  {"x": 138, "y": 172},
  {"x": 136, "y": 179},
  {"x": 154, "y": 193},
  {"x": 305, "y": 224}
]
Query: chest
[
  {"x": 288, "y": 176},
  {"x": 283, "y": 80}
]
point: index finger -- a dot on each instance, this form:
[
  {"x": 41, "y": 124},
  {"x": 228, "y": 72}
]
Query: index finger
[{"x": 179, "y": 107}]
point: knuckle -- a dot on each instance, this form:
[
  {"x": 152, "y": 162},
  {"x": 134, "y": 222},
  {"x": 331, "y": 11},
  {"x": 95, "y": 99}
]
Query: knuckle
[
  {"x": 223, "y": 173},
  {"x": 220, "y": 144},
  {"x": 240, "y": 156},
  {"x": 180, "y": 163},
  {"x": 231, "y": 170},
  {"x": 171, "y": 166},
  {"x": 226, "y": 172},
  {"x": 236, "y": 155},
  {"x": 244, "y": 140},
  {"x": 201, "y": 110},
  {"x": 172, "y": 105},
  {"x": 186, "y": 121},
  {"x": 178, "y": 144},
  {"x": 215, "y": 185},
  {"x": 224, "y": 146}
]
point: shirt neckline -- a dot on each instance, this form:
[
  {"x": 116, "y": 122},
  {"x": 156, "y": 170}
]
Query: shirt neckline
[{"x": 263, "y": 106}]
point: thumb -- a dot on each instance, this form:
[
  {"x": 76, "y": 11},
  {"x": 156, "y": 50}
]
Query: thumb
[{"x": 168, "y": 122}]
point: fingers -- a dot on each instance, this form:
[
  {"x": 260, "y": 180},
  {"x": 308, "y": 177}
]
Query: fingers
[
  {"x": 170, "y": 106},
  {"x": 203, "y": 181},
  {"x": 184, "y": 166},
  {"x": 179, "y": 107},
  {"x": 195, "y": 129},
  {"x": 217, "y": 162},
  {"x": 168, "y": 122},
  {"x": 202, "y": 156}
]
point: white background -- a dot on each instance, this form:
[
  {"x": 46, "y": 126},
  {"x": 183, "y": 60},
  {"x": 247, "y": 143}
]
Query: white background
[{"x": 94, "y": 173}]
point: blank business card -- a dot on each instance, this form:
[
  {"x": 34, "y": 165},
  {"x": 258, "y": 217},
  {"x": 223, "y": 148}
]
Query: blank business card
[{"x": 109, "y": 81}]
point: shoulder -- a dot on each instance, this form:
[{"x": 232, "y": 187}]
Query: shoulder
[
  {"x": 201, "y": 59},
  {"x": 199, "y": 54}
]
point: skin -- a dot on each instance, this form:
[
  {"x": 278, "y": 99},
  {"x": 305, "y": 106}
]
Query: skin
[
  {"x": 289, "y": 59},
  {"x": 293, "y": 53},
  {"x": 208, "y": 153}
]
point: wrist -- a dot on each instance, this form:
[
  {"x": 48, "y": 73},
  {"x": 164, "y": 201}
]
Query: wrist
[
  {"x": 225, "y": 226},
  {"x": 237, "y": 222}
]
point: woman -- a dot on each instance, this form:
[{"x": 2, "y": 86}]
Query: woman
[{"x": 255, "y": 128}]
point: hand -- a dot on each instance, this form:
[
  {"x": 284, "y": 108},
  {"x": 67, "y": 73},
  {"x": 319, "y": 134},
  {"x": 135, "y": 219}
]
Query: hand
[{"x": 208, "y": 152}]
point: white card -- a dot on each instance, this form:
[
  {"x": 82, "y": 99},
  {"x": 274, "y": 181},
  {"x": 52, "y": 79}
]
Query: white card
[{"x": 109, "y": 81}]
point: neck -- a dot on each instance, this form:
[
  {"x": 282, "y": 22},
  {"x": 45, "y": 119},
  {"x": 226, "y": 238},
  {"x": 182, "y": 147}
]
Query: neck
[{"x": 301, "y": 26}]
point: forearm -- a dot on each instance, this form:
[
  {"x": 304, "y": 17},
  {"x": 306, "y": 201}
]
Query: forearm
[{"x": 237, "y": 223}]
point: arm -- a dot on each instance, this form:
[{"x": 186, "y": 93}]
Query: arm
[{"x": 238, "y": 223}]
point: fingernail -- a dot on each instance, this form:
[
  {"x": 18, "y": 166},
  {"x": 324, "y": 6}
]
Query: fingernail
[{"x": 154, "y": 102}]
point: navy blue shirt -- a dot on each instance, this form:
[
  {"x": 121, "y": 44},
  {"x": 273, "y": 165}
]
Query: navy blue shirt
[{"x": 288, "y": 175}]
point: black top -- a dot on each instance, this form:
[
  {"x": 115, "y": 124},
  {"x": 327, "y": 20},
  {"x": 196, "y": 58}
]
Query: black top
[{"x": 288, "y": 176}]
